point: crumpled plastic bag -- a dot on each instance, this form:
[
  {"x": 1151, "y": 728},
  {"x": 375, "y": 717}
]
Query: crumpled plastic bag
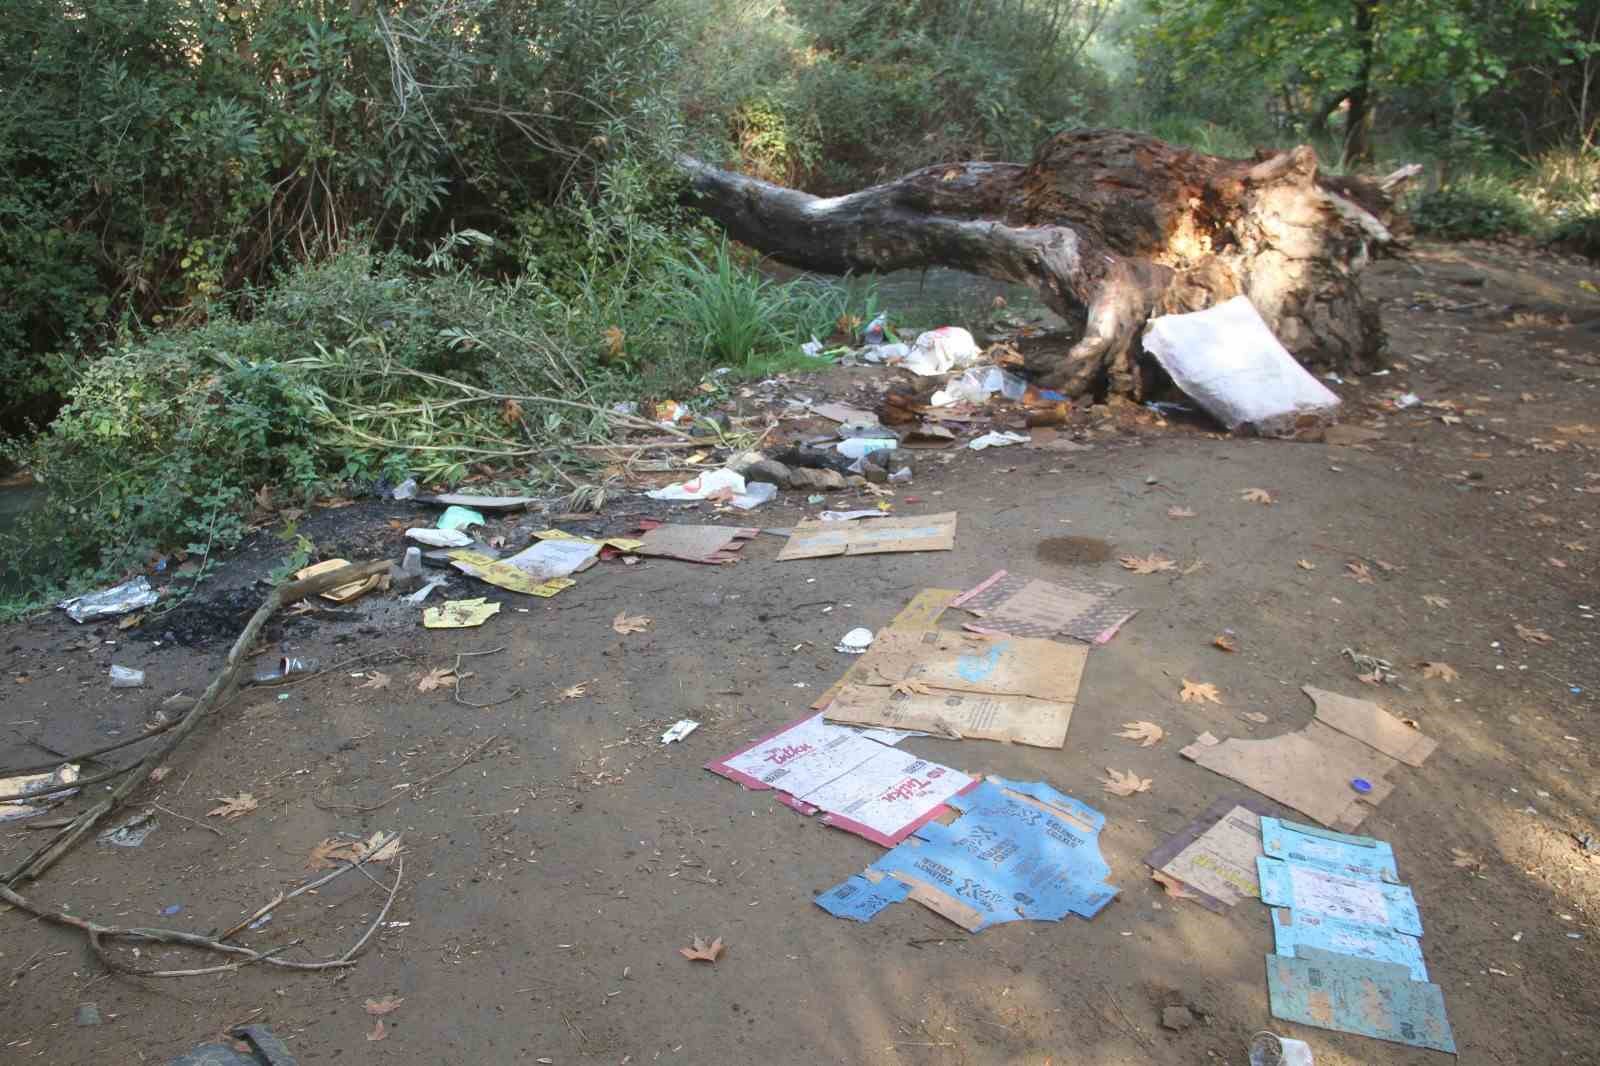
[
  {"x": 128, "y": 596},
  {"x": 942, "y": 350},
  {"x": 977, "y": 385}
]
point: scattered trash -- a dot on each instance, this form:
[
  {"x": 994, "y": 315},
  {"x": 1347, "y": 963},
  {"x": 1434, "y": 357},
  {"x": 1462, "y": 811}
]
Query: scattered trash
[
  {"x": 541, "y": 569},
  {"x": 959, "y": 686},
  {"x": 264, "y": 1049},
  {"x": 701, "y": 951},
  {"x": 458, "y": 518},
  {"x": 861, "y": 785},
  {"x": 855, "y": 642},
  {"x": 459, "y": 614},
  {"x": 1019, "y": 852},
  {"x": 479, "y": 503},
  {"x": 1214, "y": 858},
  {"x": 756, "y": 493},
  {"x": 850, "y": 416},
  {"x": 1352, "y": 995},
  {"x": 891, "y": 354},
  {"x": 1312, "y": 891},
  {"x": 812, "y": 347},
  {"x": 1361, "y": 785},
  {"x": 14, "y": 790},
  {"x": 850, "y": 516},
  {"x": 1372, "y": 725},
  {"x": 997, "y": 439},
  {"x": 416, "y": 598},
  {"x": 1227, "y": 360},
  {"x": 170, "y": 909},
  {"x": 857, "y": 447},
  {"x": 406, "y": 490},
  {"x": 1373, "y": 669},
  {"x": 940, "y": 351},
  {"x": 440, "y": 538},
  {"x": 712, "y": 485},
  {"x": 680, "y": 729},
  {"x": 126, "y": 677},
  {"x": 87, "y": 1014},
  {"x": 712, "y": 545},
  {"x": 1270, "y": 1049},
  {"x": 343, "y": 593},
  {"x": 624, "y": 623},
  {"x": 815, "y": 539},
  {"x": 120, "y": 599},
  {"x": 287, "y": 666},
  {"x": 874, "y": 331},
  {"x": 977, "y": 385},
  {"x": 1024, "y": 607},
  {"x": 131, "y": 833},
  {"x": 1409, "y": 399}
]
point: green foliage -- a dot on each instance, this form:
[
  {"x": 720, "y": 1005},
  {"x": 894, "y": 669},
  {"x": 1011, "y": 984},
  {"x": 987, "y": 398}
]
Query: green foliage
[
  {"x": 1580, "y": 235},
  {"x": 1479, "y": 207}
]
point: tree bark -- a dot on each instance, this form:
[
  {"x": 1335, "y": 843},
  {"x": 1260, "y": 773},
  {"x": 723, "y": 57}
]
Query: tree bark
[{"x": 1110, "y": 228}]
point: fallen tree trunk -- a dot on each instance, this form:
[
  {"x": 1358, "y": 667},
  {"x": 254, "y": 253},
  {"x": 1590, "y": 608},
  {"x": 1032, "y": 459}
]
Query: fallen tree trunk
[{"x": 1110, "y": 228}]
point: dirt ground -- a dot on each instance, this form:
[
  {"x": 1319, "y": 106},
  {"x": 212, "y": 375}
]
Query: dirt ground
[{"x": 550, "y": 880}]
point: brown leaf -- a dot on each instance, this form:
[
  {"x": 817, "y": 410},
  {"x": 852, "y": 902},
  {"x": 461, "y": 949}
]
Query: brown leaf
[
  {"x": 378, "y": 1031},
  {"x": 1225, "y": 642},
  {"x": 1466, "y": 860},
  {"x": 380, "y": 847},
  {"x": 615, "y": 339},
  {"x": 332, "y": 852},
  {"x": 130, "y": 621},
  {"x": 376, "y": 679},
  {"x": 387, "y": 1005},
  {"x": 511, "y": 413},
  {"x": 1179, "y": 512},
  {"x": 334, "y": 502},
  {"x": 438, "y": 677},
  {"x": 908, "y": 687},
  {"x": 1306, "y": 564},
  {"x": 702, "y": 951},
  {"x": 1532, "y": 635},
  {"x": 1256, "y": 496},
  {"x": 1575, "y": 546},
  {"x": 1199, "y": 692},
  {"x": 234, "y": 806},
  {"x": 1359, "y": 571},
  {"x": 1148, "y": 564},
  {"x": 1124, "y": 784},
  {"x": 625, "y": 623},
  {"x": 573, "y": 692},
  {"x": 1146, "y": 733},
  {"x": 1435, "y": 600},
  {"x": 1439, "y": 671}
]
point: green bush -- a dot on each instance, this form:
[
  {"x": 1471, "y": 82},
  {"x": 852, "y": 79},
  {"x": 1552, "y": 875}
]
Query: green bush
[
  {"x": 1479, "y": 207},
  {"x": 1579, "y": 234}
]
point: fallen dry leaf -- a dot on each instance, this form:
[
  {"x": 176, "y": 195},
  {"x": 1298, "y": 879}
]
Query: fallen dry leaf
[
  {"x": 625, "y": 623},
  {"x": 1532, "y": 635},
  {"x": 1199, "y": 692},
  {"x": 234, "y": 806},
  {"x": 573, "y": 692},
  {"x": 1435, "y": 600},
  {"x": 1179, "y": 512},
  {"x": 1439, "y": 671},
  {"x": 1146, "y": 733},
  {"x": 909, "y": 687},
  {"x": 1256, "y": 496},
  {"x": 1359, "y": 571},
  {"x": 1148, "y": 564},
  {"x": 333, "y": 502},
  {"x": 380, "y": 847},
  {"x": 387, "y": 1005},
  {"x": 376, "y": 679},
  {"x": 332, "y": 852},
  {"x": 438, "y": 677},
  {"x": 702, "y": 951},
  {"x": 378, "y": 1031},
  {"x": 130, "y": 621},
  {"x": 1575, "y": 546},
  {"x": 159, "y": 774},
  {"x": 1255, "y": 716},
  {"x": 1124, "y": 784},
  {"x": 1413, "y": 723},
  {"x": 1225, "y": 642},
  {"x": 1305, "y": 564},
  {"x": 1466, "y": 860}
]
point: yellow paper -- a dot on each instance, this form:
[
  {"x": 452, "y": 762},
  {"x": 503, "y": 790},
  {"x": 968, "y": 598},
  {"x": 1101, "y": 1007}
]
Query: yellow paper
[
  {"x": 343, "y": 593},
  {"x": 506, "y": 576},
  {"x": 622, "y": 544},
  {"x": 459, "y": 614}
]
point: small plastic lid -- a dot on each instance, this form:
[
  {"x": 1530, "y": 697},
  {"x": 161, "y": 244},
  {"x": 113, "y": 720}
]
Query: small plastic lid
[{"x": 1361, "y": 785}]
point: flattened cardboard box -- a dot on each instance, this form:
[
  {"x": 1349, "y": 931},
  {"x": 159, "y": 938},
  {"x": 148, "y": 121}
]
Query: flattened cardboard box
[{"x": 815, "y": 539}]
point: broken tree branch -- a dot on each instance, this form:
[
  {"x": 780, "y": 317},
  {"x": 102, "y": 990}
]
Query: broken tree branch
[{"x": 42, "y": 859}]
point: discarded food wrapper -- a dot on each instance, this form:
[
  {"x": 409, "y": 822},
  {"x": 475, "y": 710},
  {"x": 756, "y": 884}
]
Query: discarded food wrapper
[
  {"x": 942, "y": 350},
  {"x": 126, "y": 677},
  {"x": 286, "y": 667},
  {"x": 14, "y": 792},
  {"x": 885, "y": 353},
  {"x": 855, "y": 642},
  {"x": 680, "y": 729},
  {"x": 913, "y": 533},
  {"x": 977, "y": 385},
  {"x": 440, "y": 538},
  {"x": 713, "y": 483},
  {"x": 1019, "y": 852},
  {"x": 1409, "y": 399},
  {"x": 459, "y": 518},
  {"x": 1270, "y": 1049},
  {"x": 538, "y": 570},
  {"x": 1227, "y": 360},
  {"x": 860, "y": 785},
  {"x": 131, "y": 833},
  {"x": 997, "y": 439},
  {"x": 459, "y": 614},
  {"x": 406, "y": 490},
  {"x": 120, "y": 599}
]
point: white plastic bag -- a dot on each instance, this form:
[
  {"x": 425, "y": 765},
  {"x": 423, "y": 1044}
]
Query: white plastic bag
[
  {"x": 942, "y": 350},
  {"x": 1227, "y": 359},
  {"x": 710, "y": 483},
  {"x": 977, "y": 385}
]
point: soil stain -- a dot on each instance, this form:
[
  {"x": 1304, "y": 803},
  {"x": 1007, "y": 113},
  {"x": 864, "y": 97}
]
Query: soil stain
[{"x": 1072, "y": 551}]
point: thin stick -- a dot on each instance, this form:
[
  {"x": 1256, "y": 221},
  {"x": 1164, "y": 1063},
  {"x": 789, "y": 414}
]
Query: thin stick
[
  {"x": 456, "y": 688},
  {"x": 47, "y": 856},
  {"x": 266, "y": 909},
  {"x": 88, "y": 755},
  {"x": 191, "y": 821},
  {"x": 410, "y": 790}
]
